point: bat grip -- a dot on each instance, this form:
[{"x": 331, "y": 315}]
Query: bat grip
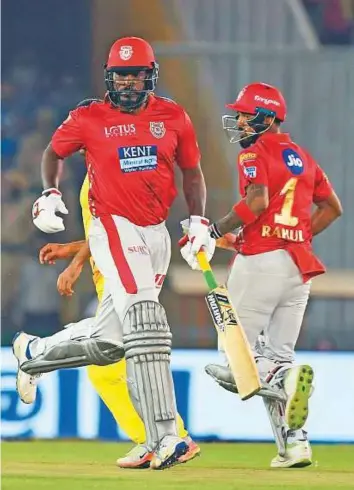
[
  {"x": 207, "y": 272},
  {"x": 203, "y": 264}
]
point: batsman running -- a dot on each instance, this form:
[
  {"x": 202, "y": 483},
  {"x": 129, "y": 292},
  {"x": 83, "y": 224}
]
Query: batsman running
[
  {"x": 109, "y": 381},
  {"x": 133, "y": 141},
  {"x": 270, "y": 278}
]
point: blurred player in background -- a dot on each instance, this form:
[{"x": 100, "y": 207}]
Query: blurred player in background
[
  {"x": 132, "y": 140},
  {"x": 109, "y": 381},
  {"x": 270, "y": 279}
]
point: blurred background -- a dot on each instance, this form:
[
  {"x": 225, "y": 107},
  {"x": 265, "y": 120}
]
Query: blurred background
[{"x": 52, "y": 57}]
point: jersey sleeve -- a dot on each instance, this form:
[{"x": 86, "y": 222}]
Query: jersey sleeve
[
  {"x": 188, "y": 153},
  {"x": 323, "y": 188},
  {"x": 251, "y": 170},
  {"x": 68, "y": 139}
]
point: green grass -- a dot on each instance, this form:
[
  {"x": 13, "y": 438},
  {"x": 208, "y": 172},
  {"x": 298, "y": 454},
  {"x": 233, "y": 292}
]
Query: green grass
[{"x": 74, "y": 465}]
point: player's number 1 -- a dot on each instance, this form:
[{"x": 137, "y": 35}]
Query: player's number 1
[{"x": 285, "y": 217}]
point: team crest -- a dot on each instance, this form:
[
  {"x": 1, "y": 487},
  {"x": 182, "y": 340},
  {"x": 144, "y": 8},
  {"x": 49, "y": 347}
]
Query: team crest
[
  {"x": 157, "y": 129},
  {"x": 125, "y": 52}
]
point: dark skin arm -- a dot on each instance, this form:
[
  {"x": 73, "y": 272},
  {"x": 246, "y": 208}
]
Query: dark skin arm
[
  {"x": 194, "y": 190},
  {"x": 327, "y": 211},
  {"x": 50, "y": 168},
  {"x": 257, "y": 200}
]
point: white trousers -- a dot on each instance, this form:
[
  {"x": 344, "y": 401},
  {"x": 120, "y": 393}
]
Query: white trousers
[
  {"x": 268, "y": 292},
  {"x": 134, "y": 261}
]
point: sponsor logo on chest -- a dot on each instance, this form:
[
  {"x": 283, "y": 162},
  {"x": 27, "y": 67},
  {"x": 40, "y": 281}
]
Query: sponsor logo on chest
[
  {"x": 120, "y": 130},
  {"x": 293, "y": 161},
  {"x": 137, "y": 158}
]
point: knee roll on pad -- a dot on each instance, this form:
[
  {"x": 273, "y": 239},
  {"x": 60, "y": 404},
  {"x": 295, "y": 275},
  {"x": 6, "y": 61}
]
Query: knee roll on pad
[
  {"x": 149, "y": 331},
  {"x": 75, "y": 353}
]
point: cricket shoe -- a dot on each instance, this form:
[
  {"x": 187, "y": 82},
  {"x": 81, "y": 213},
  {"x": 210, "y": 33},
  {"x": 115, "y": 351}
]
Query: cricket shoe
[
  {"x": 140, "y": 458},
  {"x": 297, "y": 385},
  {"x": 168, "y": 453},
  {"x": 193, "y": 450},
  {"x": 298, "y": 453},
  {"x": 26, "y": 384}
]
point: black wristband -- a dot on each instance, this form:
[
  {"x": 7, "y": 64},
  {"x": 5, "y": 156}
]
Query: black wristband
[{"x": 214, "y": 231}]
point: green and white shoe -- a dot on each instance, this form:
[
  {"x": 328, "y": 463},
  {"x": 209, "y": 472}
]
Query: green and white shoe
[
  {"x": 298, "y": 453},
  {"x": 298, "y": 388}
]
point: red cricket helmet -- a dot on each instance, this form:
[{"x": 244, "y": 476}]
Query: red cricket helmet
[
  {"x": 257, "y": 96},
  {"x": 131, "y": 56},
  {"x": 131, "y": 52},
  {"x": 260, "y": 100}
]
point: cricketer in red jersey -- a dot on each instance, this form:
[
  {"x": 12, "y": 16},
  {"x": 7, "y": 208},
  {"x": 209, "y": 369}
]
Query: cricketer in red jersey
[
  {"x": 269, "y": 282},
  {"x": 133, "y": 142},
  {"x": 132, "y": 159}
]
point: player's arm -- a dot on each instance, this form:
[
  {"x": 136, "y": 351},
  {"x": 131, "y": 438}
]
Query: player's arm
[
  {"x": 326, "y": 212},
  {"x": 329, "y": 207},
  {"x": 66, "y": 140},
  {"x": 188, "y": 160},
  {"x": 70, "y": 275},
  {"x": 244, "y": 212},
  {"x": 254, "y": 189},
  {"x": 50, "y": 168},
  {"x": 194, "y": 190},
  {"x": 59, "y": 251}
]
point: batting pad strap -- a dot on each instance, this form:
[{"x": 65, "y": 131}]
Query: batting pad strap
[
  {"x": 74, "y": 353},
  {"x": 244, "y": 212}
]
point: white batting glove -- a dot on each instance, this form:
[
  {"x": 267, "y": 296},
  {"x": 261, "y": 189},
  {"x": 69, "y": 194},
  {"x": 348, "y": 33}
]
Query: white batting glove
[
  {"x": 185, "y": 226},
  {"x": 199, "y": 235},
  {"x": 191, "y": 258},
  {"x": 44, "y": 209}
]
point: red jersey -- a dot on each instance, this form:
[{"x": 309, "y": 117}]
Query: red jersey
[
  {"x": 295, "y": 181},
  {"x": 131, "y": 157}
]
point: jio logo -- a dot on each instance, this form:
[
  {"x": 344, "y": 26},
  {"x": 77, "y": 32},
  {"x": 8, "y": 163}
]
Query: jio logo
[{"x": 293, "y": 161}]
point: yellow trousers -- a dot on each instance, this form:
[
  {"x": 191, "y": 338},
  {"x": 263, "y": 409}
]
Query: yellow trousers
[{"x": 111, "y": 385}]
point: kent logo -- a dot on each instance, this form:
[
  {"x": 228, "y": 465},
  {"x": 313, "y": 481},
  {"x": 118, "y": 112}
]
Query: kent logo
[
  {"x": 293, "y": 161},
  {"x": 137, "y": 158},
  {"x": 137, "y": 151}
]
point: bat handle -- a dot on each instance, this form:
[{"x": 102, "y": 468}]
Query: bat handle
[
  {"x": 207, "y": 272},
  {"x": 203, "y": 264}
]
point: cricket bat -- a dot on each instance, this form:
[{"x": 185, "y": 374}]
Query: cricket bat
[{"x": 230, "y": 332}]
